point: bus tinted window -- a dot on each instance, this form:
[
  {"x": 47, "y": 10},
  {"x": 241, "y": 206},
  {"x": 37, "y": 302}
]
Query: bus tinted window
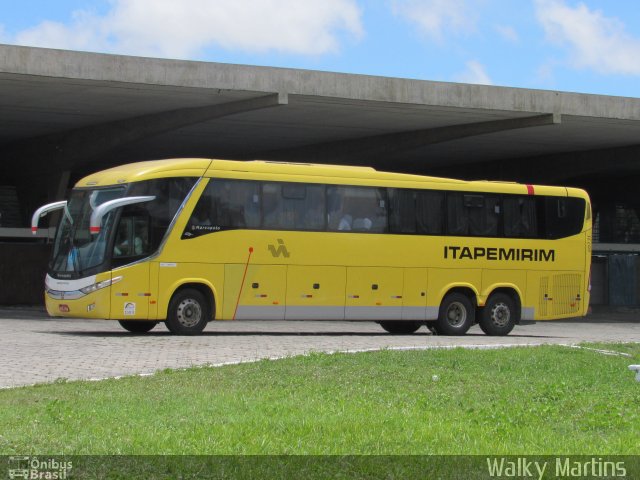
[
  {"x": 293, "y": 206},
  {"x": 484, "y": 216},
  {"x": 150, "y": 220},
  {"x": 402, "y": 211},
  {"x": 457, "y": 215},
  {"x": 429, "y": 212},
  {"x": 236, "y": 204},
  {"x": 520, "y": 219},
  {"x": 472, "y": 214},
  {"x": 132, "y": 237},
  {"x": 415, "y": 211},
  {"x": 226, "y": 204},
  {"x": 358, "y": 209},
  {"x": 564, "y": 216}
]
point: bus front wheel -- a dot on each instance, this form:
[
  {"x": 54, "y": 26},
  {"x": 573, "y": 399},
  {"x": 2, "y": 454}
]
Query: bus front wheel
[
  {"x": 189, "y": 312},
  {"x": 137, "y": 326},
  {"x": 498, "y": 315},
  {"x": 456, "y": 315},
  {"x": 400, "y": 327}
]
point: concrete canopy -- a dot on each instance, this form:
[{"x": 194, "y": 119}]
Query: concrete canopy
[{"x": 63, "y": 110}]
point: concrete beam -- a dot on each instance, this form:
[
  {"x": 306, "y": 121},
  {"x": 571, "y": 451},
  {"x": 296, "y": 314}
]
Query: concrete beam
[
  {"x": 373, "y": 148},
  {"x": 69, "y": 150},
  {"x": 554, "y": 169},
  {"x": 42, "y": 62}
]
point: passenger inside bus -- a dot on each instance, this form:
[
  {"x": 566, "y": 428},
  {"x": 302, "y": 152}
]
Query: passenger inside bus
[{"x": 128, "y": 245}]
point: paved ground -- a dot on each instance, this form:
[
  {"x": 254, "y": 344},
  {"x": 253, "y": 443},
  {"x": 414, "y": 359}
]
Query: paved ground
[{"x": 36, "y": 349}]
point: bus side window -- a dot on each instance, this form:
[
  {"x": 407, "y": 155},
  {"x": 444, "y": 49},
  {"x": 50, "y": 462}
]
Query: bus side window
[
  {"x": 457, "y": 215},
  {"x": 415, "y": 211},
  {"x": 170, "y": 194},
  {"x": 225, "y": 204},
  {"x": 564, "y": 216},
  {"x": 361, "y": 209},
  {"x": 473, "y": 214},
  {"x": 277, "y": 213},
  {"x": 429, "y": 212},
  {"x": 484, "y": 213},
  {"x": 520, "y": 218},
  {"x": 402, "y": 210},
  {"x": 123, "y": 238},
  {"x": 244, "y": 204},
  {"x": 293, "y": 206},
  {"x": 132, "y": 237},
  {"x": 314, "y": 214},
  {"x": 337, "y": 217}
]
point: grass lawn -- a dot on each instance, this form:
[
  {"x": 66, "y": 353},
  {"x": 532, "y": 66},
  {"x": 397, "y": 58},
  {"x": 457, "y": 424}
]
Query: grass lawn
[{"x": 529, "y": 401}]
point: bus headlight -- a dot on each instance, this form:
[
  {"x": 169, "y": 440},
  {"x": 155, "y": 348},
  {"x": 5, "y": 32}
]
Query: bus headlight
[{"x": 97, "y": 286}]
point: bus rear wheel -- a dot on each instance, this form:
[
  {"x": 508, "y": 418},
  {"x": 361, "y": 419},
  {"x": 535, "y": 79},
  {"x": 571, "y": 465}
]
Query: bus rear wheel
[
  {"x": 137, "y": 326},
  {"x": 498, "y": 315},
  {"x": 400, "y": 327},
  {"x": 456, "y": 315},
  {"x": 189, "y": 312}
]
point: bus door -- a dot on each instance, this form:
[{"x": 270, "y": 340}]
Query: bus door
[
  {"x": 374, "y": 293},
  {"x": 315, "y": 292},
  {"x": 130, "y": 291}
]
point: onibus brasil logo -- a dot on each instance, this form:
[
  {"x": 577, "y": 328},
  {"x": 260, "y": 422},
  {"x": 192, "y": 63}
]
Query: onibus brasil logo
[{"x": 38, "y": 468}]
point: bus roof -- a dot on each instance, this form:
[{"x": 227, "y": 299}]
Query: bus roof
[
  {"x": 318, "y": 170},
  {"x": 302, "y": 172},
  {"x": 136, "y": 172}
]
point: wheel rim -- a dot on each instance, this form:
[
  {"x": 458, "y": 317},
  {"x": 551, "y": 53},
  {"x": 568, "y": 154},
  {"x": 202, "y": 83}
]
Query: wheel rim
[
  {"x": 189, "y": 312},
  {"x": 500, "y": 314},
  {"x": 456, "y": 314}
]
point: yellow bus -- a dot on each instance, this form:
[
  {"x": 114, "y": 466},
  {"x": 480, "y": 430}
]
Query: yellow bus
[{"x": 188, "y": 241}]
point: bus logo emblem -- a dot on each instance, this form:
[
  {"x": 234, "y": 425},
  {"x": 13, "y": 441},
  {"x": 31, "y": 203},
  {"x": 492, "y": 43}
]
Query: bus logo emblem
[{"x": 281, "y": 250}]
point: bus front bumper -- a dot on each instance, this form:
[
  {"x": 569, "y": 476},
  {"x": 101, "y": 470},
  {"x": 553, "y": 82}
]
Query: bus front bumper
[
  {"x": 94, "y": 305},
  {"x": 92, "y": 300}
]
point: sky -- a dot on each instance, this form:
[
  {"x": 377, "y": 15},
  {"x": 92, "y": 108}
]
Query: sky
[{"x": 589, "y": 46}]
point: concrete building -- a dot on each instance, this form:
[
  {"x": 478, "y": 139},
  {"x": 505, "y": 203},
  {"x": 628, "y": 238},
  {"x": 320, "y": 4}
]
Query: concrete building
[{"x": 65, "y": 114}]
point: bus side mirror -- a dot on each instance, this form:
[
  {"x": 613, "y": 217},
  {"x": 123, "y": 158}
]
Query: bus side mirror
[
  {"x": 104, "y": 208},
  {"x": 42, "y": 212}
]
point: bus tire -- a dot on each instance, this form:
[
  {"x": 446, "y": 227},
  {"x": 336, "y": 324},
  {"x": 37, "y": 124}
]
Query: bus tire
[
  {"x": 137, "y": 326},
  {"x": 456, "y": 315},
  {"x": 400, "y": 327},
  {"x": 498, "y": 315},
  {"x": 189, "y": 312}
]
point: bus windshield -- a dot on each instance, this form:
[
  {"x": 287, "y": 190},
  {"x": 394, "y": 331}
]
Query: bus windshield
[
  {"x": 75, "y": 248},
  {"x": 127, "y": 234}
]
